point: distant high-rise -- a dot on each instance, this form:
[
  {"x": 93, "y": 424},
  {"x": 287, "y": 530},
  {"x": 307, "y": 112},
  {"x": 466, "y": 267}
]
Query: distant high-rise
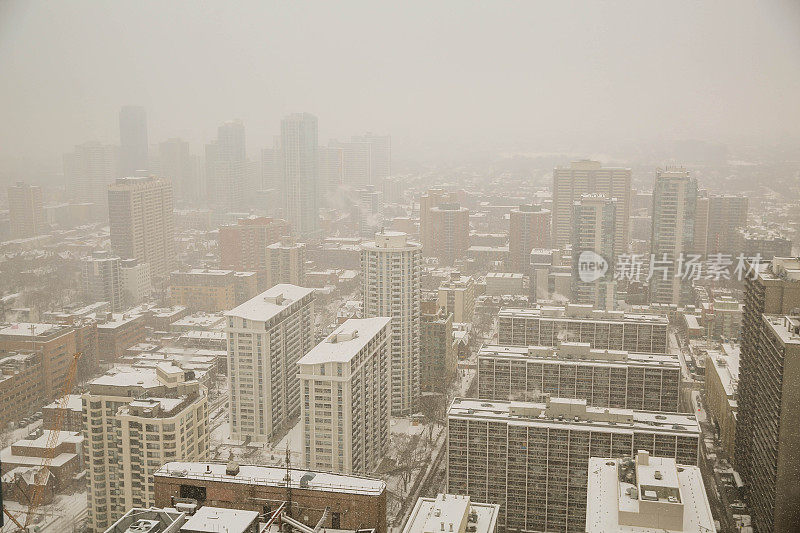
[
  {"x": 529, "y": 228},
  {"x": 356, "y": 162},
  {"x": 590, "y": 177},
  {"x": 430, "y": 199},
  {"x": 133, "y": 140},
  {"x": 88, "y": 172},
  {"x": 330, "y": 170},
  {"x": 267, "y": 335},
  {"x": 101, "y": 279},
  {"x": 381, "y": 150},
  {"x": 142, "y": 223},
  {"x": 301, "y": 173},
  {"x": 226, "y": 168},
  {"x": 176, "y": 165},
  {"x": 26, "y": 210},
  {"x": 243, "y": 246},
  {"x": 593, "y": 232},
  {"x": 286, "y": 262},
  {"x": 727, "y": 214},
  {"x": 370, "y": 211},
  {"x": 674, "y": 204},
  {"x": 701, "y": 224},
  {"x": 272, "y": 167},
  {"x": 390, "y": 269},
  {"x": 768, "y": 416},
  {"x": 450, "y": 229},
  {"x": 344, "y": 383}
]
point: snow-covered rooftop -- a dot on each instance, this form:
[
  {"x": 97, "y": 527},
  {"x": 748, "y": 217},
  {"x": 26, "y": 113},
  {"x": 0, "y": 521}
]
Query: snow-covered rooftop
[
  {"x": 345, "y": 341},
  {"x": 270, "y": 302}
]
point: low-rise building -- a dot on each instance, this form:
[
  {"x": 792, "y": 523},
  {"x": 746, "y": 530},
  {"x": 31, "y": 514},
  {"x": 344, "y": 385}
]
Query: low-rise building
[
  {"x": 73, "y": 414},
  {"x": 453, "y": 512},
  {"x": 67, "y": 462},
  {"x": 721, "y": 382},
  {"x": 20, "y": 386},
  {"x": 116, "y": 332},
  {"x": 644, "y": 494},
  {"x": 499, "y": 283}
]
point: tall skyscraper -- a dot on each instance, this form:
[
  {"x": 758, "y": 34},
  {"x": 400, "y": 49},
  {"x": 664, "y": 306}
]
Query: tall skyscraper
[
  {"x": 301, "y": 173},
  {"x": 26, "y": 210},
  {"x": 381, "y": 148},
  {"x": 727, "y": 214},
  {"x": 593, "y": 232},
  {"x": 135, "y": 420},
  {"x": 226, "y": 168},
  {"x": 768, "y": 416},
  {"x": 674, "y": 204},
  {"x": 142, "y": 223},
  {"x": 450, "y": 229},
  {"x": 177, "y": 165},
  {"x": 346, "y": 395},
  {"x": 133, "y": 140},
  {"x": 267, "y": 335},
  {"x": 529, "y": 228},
  {"x": 390, "y": 270},
  {"x": 88, "y": 172},
  {"x": 590, "y": 177}
]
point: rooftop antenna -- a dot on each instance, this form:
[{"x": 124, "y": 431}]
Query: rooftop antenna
[{"x": 288, "y": 480}]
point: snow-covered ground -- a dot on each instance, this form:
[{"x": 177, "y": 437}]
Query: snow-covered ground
[{"x": 65, "y": 515}]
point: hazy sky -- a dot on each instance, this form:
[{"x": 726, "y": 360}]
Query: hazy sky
[{"x": 430, "y": 71}]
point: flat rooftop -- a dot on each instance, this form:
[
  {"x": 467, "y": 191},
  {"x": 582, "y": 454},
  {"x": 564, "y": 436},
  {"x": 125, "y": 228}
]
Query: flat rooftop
[
  {"x": 25, "y": 329},
  {"x": 270, "y": 302},
  {"x": 124, "y": 376},
  {"x": 786, "y": 328},
  {"x": 273, "y": 476},
  {"x": 580, "y": 312},
  {"x": 452, "y": 511},
  {"x": 215, "y": 519},
  {"x": 658, "y": 497},
  {"x": 345, "y": 341},
  {"x": 579, "y": 352},
  {"x": 566, "y": 413}
]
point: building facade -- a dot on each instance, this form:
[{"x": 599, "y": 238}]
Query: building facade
[
  {"x": 450, "y": 232},
  {"x": 593, "y": 234},
  {"x": 390, "y": 267},
  {"x": 25, "y": 211},
  {"x": 438, "y": 361},
  {"x": 301, "y": 173},
  {"x": 457, "y": 296},
  {"x": 533, "y": 458},
  {"x": 286, "y": 263},
  {"x": 529, "y": 228},
  {"x": 267, "y": 335},
  {"x": 344, "y": 383}
]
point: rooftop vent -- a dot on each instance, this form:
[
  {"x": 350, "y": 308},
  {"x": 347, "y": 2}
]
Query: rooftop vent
[{"x": 232, "y": 468}]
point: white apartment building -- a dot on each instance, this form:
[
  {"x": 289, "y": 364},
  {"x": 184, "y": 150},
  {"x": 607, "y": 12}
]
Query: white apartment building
[
  {"x": 606, "y": 330},
  {"x": 135, "y": 281},
  {"x": 266, "y": 336},
  {"x": 604, "y": 378},
  {"x": 391, "y": 270},
  {"x": 457, "y": 296},
  {"x": 100, "y": 279},
  {"x": 643, "y": 493},
  {"x": 593, "y": 234},
  {"x": 452, "y": 512},
  {"x": 345, "y": 387},
  {"x": 134, "y": 420},
  {"x": 533, "y": 458}
]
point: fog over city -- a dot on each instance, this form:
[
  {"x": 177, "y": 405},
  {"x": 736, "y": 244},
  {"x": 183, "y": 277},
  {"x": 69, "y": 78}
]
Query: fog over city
[{"x": 399, "y": 267}]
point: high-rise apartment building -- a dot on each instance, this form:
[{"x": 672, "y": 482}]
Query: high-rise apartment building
[
  {"x": 430, "y": 199},
  {"x": 391, "y": 273},
  {"x": 529, "y": 228},
  {"x": 135, "y": 420},
  {"x": 301, "y": 173},
  {"x": 604, "y": 330},
  {"x": 450, "y": 230},
  {"x": 344, "y": 382},
  {"x": 133, "y": 140},
  {"x": 604, "y": 378},
  {"x": 438, "y": 361},
  {"x": 226, "y": 168},
  {"x": 381, "y": 155},
  {"x": 370, "y": 211},
  {"x": 272, "y": 167},
  {"x": 768, "y": 415},
  {"x": 356, "y": 158},
  {"x": 727, "y": 214},
  {"x": 286, "y": 262},
  {"x": 177, "y": 165},
  {"x": 330, "y": 170},
  {"x": 142, "y": 222},
  {"x": 533, "y": 458},
  {"x": 135, "y": 281},
  {"x": 672, "y": 236},
  {"x": 642, "y": 493},
  {"x": 590, "y": 177},
  {"x": 701, "y": 224},
  {"x": 243, "y": 246},
  {"x": 593, "y": 234},
  {"x": 457, "y": 296},
  {"x": 88, "y": 171},
  {"x": 100, "y": 279},
  {"x": 203, "y": 289},
  {"x": 267, "y": 335},
  {"x": 25, "y": 210}
]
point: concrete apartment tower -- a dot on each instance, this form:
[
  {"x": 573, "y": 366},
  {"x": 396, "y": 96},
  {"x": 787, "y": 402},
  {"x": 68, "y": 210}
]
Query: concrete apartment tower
[
  {"x": 266, "y": 337},
  {"x": 142, "y": 222},
  {"x": 301, "y": 173},
  {"x": 674, "y": 205},
  {"x": 590, "y": 177},
  {"x": 390, "y": 267},
  {"x": 344, "y": 383},
  {"x": 25, "y": 210},
  {"x": 528, "y": 228},
  {"x": 593, "y": 234}
]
